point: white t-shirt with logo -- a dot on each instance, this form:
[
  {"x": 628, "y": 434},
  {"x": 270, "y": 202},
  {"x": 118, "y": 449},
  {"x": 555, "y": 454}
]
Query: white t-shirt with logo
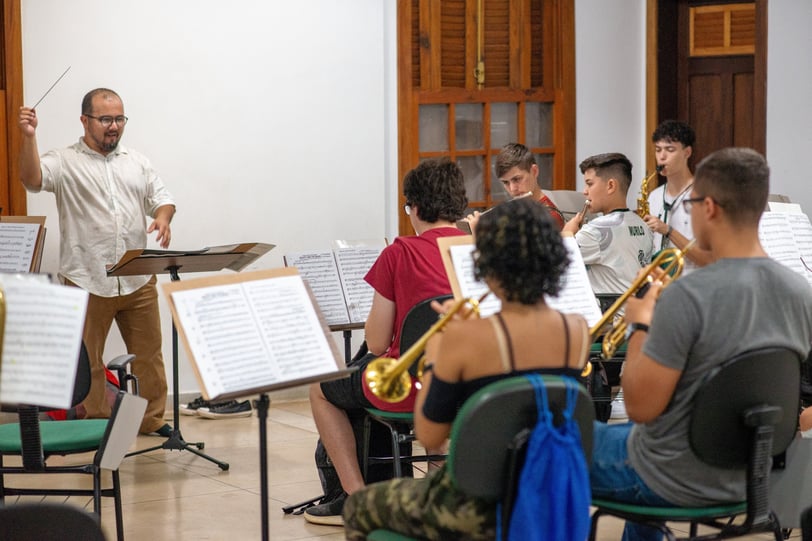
[{"x": 614, "y": 247}]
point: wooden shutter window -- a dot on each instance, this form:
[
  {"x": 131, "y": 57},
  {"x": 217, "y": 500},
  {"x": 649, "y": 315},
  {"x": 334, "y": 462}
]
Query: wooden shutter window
[{"x": 722, "y": 30}]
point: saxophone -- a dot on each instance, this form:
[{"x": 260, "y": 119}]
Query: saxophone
[{"x": 642, "y": 201}]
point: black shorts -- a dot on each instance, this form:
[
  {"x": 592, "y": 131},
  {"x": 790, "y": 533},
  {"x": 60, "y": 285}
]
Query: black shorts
[{"x": 348, "y": 393}]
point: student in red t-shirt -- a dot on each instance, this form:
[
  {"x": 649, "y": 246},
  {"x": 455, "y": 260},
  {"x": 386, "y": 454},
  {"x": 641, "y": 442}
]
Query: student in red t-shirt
[{"x": 408, "y": 271}]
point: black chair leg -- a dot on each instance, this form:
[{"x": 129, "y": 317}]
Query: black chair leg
[
  {"x": 593, "y": 527},
  {"x": 396, "y": 467},
  {"x": 97, "y": 491},
  {"x": 117, "y": 503},
  {"x": 365, "y": 454},
  {"x": 806, "y": 524}
]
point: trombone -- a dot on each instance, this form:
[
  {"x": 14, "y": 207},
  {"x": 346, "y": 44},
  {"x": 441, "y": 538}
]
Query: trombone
[
  {"x": 389, "y": 379},
  {"x": 672, "y": 262}
]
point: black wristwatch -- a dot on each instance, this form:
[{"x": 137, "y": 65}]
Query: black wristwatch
[{"x": 633, "y": 327}]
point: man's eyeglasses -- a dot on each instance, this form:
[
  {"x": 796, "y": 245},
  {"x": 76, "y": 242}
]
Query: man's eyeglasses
[
  {"x": 686, "y": 203},
  {"x": 106, "y": 121}
]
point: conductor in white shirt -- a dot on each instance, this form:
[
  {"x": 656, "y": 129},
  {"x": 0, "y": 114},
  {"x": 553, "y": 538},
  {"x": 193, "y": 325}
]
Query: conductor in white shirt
[{"x": 104, "y": 194}]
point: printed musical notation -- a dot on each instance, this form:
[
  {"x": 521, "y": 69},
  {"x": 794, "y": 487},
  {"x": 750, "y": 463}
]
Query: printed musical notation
[
  {"x": 575, "y": 296},
  {"x": 21, "y": 243},
  {"x": 259, "y": 331},
  {"x": 787, "y": 238},
  {"x": 43, "y": 331},
  {"x": 336, "y": 278}
]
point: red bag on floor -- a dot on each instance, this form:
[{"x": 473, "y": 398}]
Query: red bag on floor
[{"x": 78, "y": 412}]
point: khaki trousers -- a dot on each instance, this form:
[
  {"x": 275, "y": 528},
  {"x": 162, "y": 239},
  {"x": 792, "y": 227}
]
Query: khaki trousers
[{"x": 138, "y": 320}]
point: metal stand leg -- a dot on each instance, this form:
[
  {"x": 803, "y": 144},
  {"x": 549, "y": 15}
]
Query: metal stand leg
[
  {"x": 175, "y": 442},
  {"x": 262, "y": 414}
]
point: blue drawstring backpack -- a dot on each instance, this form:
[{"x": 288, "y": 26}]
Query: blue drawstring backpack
[{"x": 552, "y": 502}]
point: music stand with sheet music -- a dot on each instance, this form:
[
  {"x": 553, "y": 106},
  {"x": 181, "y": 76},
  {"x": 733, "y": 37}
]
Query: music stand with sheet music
[
  {"x": 146, "y": 262},
  {"x": 259, "y": 302}
]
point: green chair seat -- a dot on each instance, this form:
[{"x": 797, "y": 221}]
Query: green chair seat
[
  {"x": 386, "y": 535},
  {"x": 57, "y": 436},
  {"x": 671, "y": 513},
  {"x": 406, "y": 417}
]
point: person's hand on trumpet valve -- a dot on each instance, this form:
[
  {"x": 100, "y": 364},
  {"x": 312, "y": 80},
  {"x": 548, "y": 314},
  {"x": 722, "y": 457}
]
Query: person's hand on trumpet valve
[
  {"x": 464, "y": 312},
  {"x": 641, "y": 309}
]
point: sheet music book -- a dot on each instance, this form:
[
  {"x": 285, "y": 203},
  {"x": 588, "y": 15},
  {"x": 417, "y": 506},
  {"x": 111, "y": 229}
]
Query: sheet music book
[
  {"x": 252, "y": 332},
  {"x": 43, "y": 334},
  {"x": 576, "y": 294},
  {"x": 21, "y": 242},
  {"x": 336, "y": 278},
  {"x": 787, "y": 238}
]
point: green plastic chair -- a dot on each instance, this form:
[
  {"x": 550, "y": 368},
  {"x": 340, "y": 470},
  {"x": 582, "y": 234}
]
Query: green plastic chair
[
  {"x": 36, "y": 441},
  {"x": 745, "y": 412},
  {"x": 401, "y": 425},
  {"x": 489, "y": 436}
]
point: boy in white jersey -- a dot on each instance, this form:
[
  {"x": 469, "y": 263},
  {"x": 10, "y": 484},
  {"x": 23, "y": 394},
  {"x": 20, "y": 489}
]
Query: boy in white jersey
[
  {"x": 670, "y": 223},
  {"x": 616, "y": 245}
]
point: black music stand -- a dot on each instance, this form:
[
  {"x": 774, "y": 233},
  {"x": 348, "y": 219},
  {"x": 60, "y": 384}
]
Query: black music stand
[
  {"x": 145, "y": 262},
  {"x": 262, "y": 414}
]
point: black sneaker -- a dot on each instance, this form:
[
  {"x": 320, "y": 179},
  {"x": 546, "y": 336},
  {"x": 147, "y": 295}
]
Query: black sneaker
[
  {"x": 165, "y": 431},
  {"x": 226, "y": 410},
  {"x": 192, "y": 407},
  {"x": 327, "y": 514}
]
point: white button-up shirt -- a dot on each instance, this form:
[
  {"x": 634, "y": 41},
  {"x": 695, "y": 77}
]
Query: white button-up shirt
[{"x": 103, "y": 204}]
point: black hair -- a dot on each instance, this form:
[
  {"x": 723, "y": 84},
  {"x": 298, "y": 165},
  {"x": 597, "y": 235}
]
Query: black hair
[
  {"x": 519, "y": 246},
  {"x": 674, "y": 131},
  {"x": 437, "y": 189},
  {"x": 610, "y": 165}
]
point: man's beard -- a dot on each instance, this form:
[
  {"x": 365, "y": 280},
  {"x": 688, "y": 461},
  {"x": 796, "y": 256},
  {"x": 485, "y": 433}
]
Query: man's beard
[{"x": 109, "y": 147}]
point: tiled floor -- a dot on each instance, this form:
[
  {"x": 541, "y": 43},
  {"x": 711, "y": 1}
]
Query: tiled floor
[{"x": 175, "y": 495}]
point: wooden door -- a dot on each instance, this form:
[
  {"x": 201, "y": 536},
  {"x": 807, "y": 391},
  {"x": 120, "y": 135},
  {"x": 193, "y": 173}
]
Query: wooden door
[
  {"x": 712, "y": 71},
  {"x": 12, "y": 194}
]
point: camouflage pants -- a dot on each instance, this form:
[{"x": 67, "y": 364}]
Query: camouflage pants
[{"x": 429, "y": 508}]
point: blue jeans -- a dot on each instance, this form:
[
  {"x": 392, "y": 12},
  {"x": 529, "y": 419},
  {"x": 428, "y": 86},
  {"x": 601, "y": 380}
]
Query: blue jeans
[{"x": 613, "y": 478}]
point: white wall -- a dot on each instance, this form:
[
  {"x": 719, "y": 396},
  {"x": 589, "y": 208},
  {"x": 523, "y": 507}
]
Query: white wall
[
  {"x": 265, "y": 118},
  {"x": 610, "y": 84},
  {"x": 276, "y": 121},
  {"x": 789, "y": 94}
]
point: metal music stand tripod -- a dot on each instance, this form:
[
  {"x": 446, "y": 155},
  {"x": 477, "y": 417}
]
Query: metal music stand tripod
[{"x": 145, "y": 262}]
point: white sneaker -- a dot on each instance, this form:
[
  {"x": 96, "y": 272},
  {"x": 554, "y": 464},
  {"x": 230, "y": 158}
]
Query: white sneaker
[{"x": 618, "y": 409}]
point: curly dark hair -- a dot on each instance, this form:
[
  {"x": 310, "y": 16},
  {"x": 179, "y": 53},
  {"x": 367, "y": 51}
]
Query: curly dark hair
[
  {"x": 674, "y": 131},
  {"x": 437, "y": 189},
  {"x": 519, "y": 246}
]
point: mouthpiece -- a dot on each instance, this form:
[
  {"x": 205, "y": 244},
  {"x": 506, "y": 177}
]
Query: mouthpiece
[{"x": 659, "y": 168}]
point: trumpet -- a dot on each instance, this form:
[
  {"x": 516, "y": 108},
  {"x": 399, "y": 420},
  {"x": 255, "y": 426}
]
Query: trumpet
[
  {"x": 671, "y": 261},
  {"x": 389, "y": 379},
  {"x": 642, "y": 202}
]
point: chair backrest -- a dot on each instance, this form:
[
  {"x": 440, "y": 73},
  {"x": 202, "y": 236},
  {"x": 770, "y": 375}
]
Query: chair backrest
[
  {"x": 48, "y": 522},
  {"x": 752, "y": 380},
  {"x": 418, "y": 320},
  {"x": 121, "y": 431},
  {"x": 479, "y": 455},
  {"x": 81, "y": 385},
  {"x": 745, "y": 412}
]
